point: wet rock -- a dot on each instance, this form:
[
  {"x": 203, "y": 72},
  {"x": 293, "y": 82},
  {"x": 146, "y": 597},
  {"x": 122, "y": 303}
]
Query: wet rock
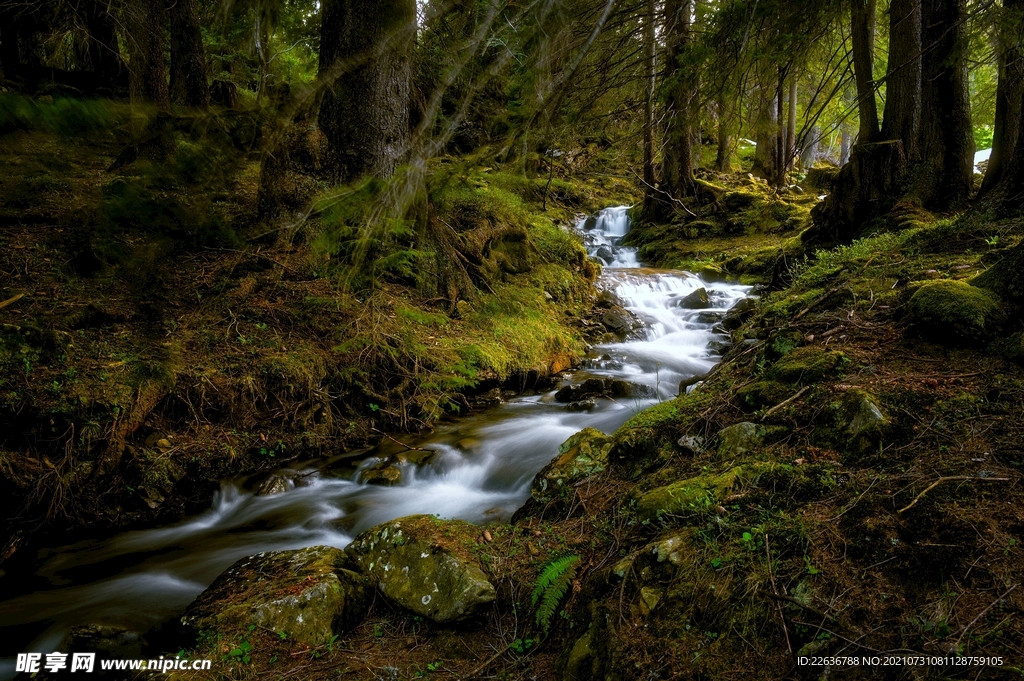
[
  {"x": 112, "y": 639},
  {"x": 620, "y": 388},
  {"x": 274, "y": 484},
  {"x": 707, "y": 317},
  {"x": 738, "y": 439},
  {"x": 421, "y": 564},
  {"x": 590, "y": 223},
  {"x": 605, "y": 253},
  {"x": 582, "y": 455},
  {"x": 687, "y": 382},
  {"x": 582, "y": 405},
  {"x": 592, "y": 387},
  {"x": 719, "y": 348},
  {"x": 619, "y": 321},
  {"x": 608, "y": 299},
  {"x": 383, "y": 472},
  {"x": 309, "y": 595},
  {"x": 739, "y": 313},
  {"x": 697, "y": 300}
]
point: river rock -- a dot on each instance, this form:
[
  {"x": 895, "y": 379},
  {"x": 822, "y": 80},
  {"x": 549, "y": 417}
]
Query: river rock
[
  {"x": 608, "y": 299},
  {"x": 274, "y": 484},
  {"x": 383, "y": 472},
  {"x": 698, "y": 300},
  {"x": 421, "y": 563},
  {"x": 112, "y": 639},
  {"x": 605, "y": 253},
  {"x": 582, "y": 455},
  {"x": 618, "y": 320},
  {"x": 738, "y": 439},
  {"x": 309, "y": 595}
]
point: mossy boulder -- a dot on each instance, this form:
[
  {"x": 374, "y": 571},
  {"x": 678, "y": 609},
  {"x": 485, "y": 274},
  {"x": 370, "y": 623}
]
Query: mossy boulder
[
  {"x": 954, "y": 312},
  {"x": 686, "y": 496},
  {"x": 808, "y": 364},
  {"x": 423, "y": 564},
  {"x": 698, "y": 493},
  {"x": 862, "y": 419},
  {"x": 310, "y": 595},
  {"x": 739, "y": 439},
  {"x": 582, "y": 455},
  {"x": 763, "y": 394}
]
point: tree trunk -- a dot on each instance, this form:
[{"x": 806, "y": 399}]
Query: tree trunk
[
  {"x": 365, "y": 67},
  {"x": 677, "y": 156},
  {"x": 722, "y": 161},
  {"x": 188, "y": 60},
  {"x": 1009, "y": 92},
  {"x": 1010, "y": 189},
  {"x": 766, "y": 152},
  {"x": 781, "y": 155},
  {"x": 650, "y": 47},
  {"x": 946, "y": 173},
  {"x": 862, "y": 22},
  {"x": 844, "y": 147},
  {"x": 103, "y": 53},
  {"x": 791, "y": 152},
  {"x": 809, "y": 148},
  {"x": 903, "y": 78},
  {"x": 10, "y": 54},
  {"x": 147, "y": 79}
]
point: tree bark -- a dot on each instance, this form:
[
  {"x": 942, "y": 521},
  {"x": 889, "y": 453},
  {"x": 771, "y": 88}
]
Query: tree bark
[
  {"x": 903, "y": 77},
  {"x": 677, "y": 156},
  {"x": 650, "y": 48},
  {"x": 365, "y": 68},
  {"x": 188, "y": 59},
  {"x": 722, "y": 160},
  {"x": 767, "y": 139},
  {"x": 103, "y": 53},
  {"x": 791, "y": 153},
  {"x": 781, "y": 155},
  {"x": 844, "y": 147},
  {"x": 862, "y": 21},
  {"x": 809, "y": 148},
  {"x": 1009, "y": 92},
  {"x": 147, "y": 78},
  {"x": 945, "y": 174}
]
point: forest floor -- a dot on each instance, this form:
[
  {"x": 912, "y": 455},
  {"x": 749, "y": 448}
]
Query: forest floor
[{"x": 135, "y": 375}]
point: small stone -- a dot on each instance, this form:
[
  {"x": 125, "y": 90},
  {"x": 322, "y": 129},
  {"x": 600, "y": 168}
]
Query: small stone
[
  {"x": 691, "y": 444},
  {"x": 163, "y": 444},
  {"x": 698, "y": 300},
  {"x": 275, "y": 484}
]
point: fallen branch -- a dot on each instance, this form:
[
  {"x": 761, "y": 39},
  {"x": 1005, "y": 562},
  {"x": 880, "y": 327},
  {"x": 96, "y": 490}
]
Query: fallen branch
[
  {"x": 399, "y": 442},
  {"x": 11, "y": 300},
  {"x": 782, "y": 404},
  {"x": 947, "y": 478}
]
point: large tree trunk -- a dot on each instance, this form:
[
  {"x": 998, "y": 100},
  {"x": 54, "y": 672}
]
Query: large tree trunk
[
  {"x": 677, "y": 156},
  {"x": 10, "y": 54},
  {"x": 903, "y": 79},
  {"x": 1010, "y": 189},
  {"x": 650, "y": 48},
  {"x": 767, "y": 140},
  {"x": 862, "y": 21},
  {"x": 188, "y": 60},
  {"x": 724, "y": 150},
  {"x": 1009, "y": 91},
  {"x": 365, "y": 67},
  {"x": 779, "y": 179},
  {"x": 946, "y": 171},
  {"x": 809, "y": 148},
  {"x": 103, "y": 52},
  {"x": 791, "y": 152},
  {"x": 147, "y": 77}
]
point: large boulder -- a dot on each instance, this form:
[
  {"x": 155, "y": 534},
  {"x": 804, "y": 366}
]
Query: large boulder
[
  {"x": 955, "y": 312},
  {"x": 582, "y": 455},
  {"x": 423, "y": 564},
  {"x": 309, "y": 595}
]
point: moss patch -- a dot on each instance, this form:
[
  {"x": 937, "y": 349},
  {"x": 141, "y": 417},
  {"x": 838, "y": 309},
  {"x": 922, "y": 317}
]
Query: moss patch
[{"x": 954, "y": 311}]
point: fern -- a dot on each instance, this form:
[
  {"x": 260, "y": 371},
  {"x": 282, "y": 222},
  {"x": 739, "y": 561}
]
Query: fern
[{"x": 551, "y": 586}]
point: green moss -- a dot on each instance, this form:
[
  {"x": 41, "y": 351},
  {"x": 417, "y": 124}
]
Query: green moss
[
  {"x": 643, "y": 435},
  {"x": 763, "y": 394},
  {"x": 695, "y": 494},
  {"x": 808, "y": 365},
  {"x": 956, "y": 312}
]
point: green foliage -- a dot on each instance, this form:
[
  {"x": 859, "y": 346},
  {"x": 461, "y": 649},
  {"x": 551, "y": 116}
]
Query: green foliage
[
  {"x": 551, "y": 586},
  {"x": 63, "y": 116}
]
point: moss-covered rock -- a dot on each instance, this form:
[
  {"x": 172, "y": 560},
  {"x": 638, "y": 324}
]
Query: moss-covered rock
[
  {"x": 806, "y": 365},
  {"x": 310, "y": 595},
  {"x": 1006, "y": 277},
  {"x": 738, "y": 439},
  {"x": 421, "y": 563},
  {"x": 686, "y": 496},
  {"x": 955, "y": 312},
  {"x": 582, "y": 455},
  {"x": 863, "y": 420},
  {"x": 763, "y": 394}
]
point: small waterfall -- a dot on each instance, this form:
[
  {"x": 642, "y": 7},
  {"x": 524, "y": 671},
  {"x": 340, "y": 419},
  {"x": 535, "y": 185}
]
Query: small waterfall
[{"x": 602, "y": 235}]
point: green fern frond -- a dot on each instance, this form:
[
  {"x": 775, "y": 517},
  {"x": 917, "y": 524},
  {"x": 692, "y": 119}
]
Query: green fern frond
[{"x": 551, "y": 587}]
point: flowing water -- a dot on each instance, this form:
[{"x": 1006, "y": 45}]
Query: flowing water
[{"x": 480, "y": 470}]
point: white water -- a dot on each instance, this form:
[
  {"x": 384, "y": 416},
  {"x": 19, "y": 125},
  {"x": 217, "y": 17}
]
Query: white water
[{"x": 481, "y": 472}]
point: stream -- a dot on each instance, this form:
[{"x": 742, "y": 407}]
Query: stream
[{"x": 480, "y": 470}]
